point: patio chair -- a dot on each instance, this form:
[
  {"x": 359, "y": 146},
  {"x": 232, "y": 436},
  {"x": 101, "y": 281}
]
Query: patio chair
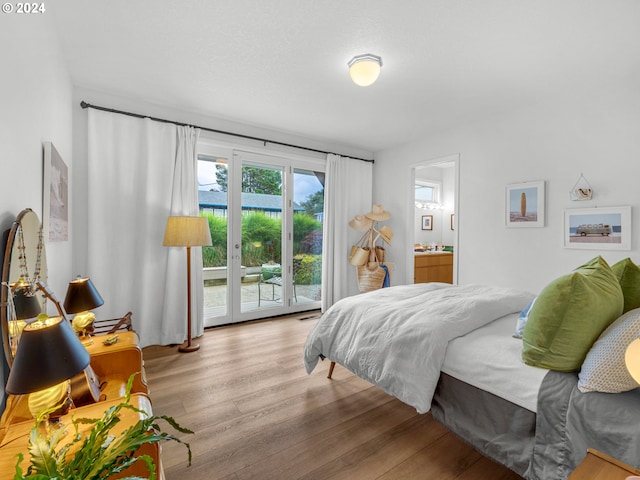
[
  {"x": 273, "y": 277},
  {"x": 269, "y": 276}
]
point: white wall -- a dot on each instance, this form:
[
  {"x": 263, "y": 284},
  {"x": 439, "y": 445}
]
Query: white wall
[
  {"x": 592, "y": 132},
  {"x": 35, "y": 99}
]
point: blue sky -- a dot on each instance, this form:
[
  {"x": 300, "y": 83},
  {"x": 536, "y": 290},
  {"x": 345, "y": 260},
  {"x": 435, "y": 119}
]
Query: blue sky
[
  {"x": 532, "y": 199},
  {"x": 304, "y": 185},
  {"x": 613, "y": 219}
]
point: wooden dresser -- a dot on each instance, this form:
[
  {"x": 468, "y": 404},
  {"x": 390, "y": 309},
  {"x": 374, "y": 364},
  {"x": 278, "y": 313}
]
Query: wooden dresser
[
  {"x": 433, "y": 267},
  {"x": 17, "y": 437},
  {"x": 113, "y": 364}
]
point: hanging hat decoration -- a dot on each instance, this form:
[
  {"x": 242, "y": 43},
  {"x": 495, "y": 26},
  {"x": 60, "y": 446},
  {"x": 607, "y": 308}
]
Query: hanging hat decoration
[
  {"x": 378, "y": 213},
  {"x": 366, "y": 256},
  {"x": 361, "y": 223},
  {"x": 386, "y": 234}
]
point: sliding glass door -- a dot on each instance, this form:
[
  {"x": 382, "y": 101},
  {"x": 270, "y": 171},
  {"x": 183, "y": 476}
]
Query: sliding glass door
[{"x": 265, "y": 214}]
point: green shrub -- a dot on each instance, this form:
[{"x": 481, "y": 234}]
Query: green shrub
[
  {"x": 216, "y": 255},
  {"x": 310, "y": 271},
  {"x": 261, "y": 239},
  {"x": 303, "y": 225}
]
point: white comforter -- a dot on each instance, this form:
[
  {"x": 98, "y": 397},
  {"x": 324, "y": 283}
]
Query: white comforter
[{"x": 396, "y": 338}]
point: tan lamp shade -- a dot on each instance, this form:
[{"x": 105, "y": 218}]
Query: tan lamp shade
[
  {"x": 187, "y": 232},
  {"x": 632, "y": 359}
]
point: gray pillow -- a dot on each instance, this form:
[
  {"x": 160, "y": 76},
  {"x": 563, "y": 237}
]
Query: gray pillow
[{"x": 604, "y": 370}]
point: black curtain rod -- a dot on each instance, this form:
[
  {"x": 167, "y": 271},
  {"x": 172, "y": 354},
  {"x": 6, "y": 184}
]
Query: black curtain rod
[{"x": 84, "y": 104}]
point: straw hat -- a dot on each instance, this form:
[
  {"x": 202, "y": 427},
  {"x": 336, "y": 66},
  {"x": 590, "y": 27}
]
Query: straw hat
[
  {"x": 378, "y": 213},
  {"x": 386, "y": 233},
  {"x": 361, "y": 223}
]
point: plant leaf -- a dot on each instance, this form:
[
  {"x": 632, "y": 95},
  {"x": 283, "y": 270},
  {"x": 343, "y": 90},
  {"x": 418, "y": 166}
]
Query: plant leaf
[{"x": 97, "y": 454}]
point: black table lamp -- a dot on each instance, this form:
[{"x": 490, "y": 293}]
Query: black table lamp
[
  {"x": 49, "y": 353},
  {"x": 25, "y": 303},
  {"x": 81, "y": 296}
]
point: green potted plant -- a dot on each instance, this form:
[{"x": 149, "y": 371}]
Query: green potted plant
[{"x": 97, "y": 454}]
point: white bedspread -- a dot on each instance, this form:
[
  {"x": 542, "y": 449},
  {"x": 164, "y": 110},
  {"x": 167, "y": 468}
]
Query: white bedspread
[
  {"x": 491, "y": 359},
  {"x": 396, "y": 338}
]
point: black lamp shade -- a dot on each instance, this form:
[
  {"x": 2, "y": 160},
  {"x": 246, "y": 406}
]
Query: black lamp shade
[
  {"x": 26, "y": 304},
  {"x": 81, "y": 296},
  {"x": 49, "y": 353}
]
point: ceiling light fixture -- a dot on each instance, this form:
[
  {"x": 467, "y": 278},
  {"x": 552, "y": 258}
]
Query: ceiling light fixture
[{"x": 364, "y": 69}]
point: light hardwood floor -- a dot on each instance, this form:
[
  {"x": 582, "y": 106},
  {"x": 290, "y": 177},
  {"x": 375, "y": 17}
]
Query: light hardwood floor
[{"x": 256, "y": 414}]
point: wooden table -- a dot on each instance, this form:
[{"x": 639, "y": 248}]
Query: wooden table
[
  {"x": 113, "y": 364},
  {"x": 600, "y": 466},
  {"x": 17, "y": 438}
]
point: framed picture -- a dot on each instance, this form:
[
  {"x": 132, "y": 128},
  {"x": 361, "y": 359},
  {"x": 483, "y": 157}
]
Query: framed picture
[
  {"x": 452, "y": 221},
  {"x": 427, "y": 222},
  {"x": 525, "y": 204},
  {"x": 599, "y": 228},
  {"x": 55, "y": 196}
]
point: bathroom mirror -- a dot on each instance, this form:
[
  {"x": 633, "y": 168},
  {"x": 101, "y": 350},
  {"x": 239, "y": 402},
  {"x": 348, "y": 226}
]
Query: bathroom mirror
[{"x": 25, "y": 262}]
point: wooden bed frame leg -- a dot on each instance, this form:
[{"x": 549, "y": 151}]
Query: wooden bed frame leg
[{"x": 333, "y": 364}]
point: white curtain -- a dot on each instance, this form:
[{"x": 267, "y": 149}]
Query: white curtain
[
  {"x": 140, "y": 172},
  {"x": 347, "y": 193}
]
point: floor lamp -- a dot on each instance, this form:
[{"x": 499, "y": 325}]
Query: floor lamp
[{"x": 187, "y": 232}]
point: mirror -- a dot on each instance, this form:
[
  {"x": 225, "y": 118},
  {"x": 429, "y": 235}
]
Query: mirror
[{"x": 25, "y": 262}]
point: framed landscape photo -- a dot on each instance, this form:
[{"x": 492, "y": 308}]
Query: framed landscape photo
[
  {"x": 525, "y": 204},
  {"x": 427, "y": 222},
  {"x": 600, "y": 228}
]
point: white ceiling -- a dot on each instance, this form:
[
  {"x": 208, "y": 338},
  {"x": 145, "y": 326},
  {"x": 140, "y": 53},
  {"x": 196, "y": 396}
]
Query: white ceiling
[{"x": 282, "y": 64}]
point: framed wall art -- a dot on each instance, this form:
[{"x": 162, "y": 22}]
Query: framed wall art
[
  {"x": 525, "y": 204},
  {"x": 55, "y": 196},
  {"x": 599, "y": 228},
  {"x": 427, "y": 222}
]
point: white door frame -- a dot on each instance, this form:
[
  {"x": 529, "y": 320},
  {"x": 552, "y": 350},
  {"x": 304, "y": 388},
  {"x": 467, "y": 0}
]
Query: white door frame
[{"x": 455, "y": 159}]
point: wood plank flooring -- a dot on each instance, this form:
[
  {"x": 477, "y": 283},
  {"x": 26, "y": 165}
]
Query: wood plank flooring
[{"x": 256, "y": 414}]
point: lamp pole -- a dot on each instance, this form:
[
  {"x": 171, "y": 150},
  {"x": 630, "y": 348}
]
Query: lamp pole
[{"x": 189, "y": 347}]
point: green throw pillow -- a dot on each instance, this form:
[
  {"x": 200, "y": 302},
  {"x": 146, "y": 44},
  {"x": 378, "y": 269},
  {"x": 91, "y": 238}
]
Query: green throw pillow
[
  {"x": 628, "y": 274},
  {"x": 569, "y": 315}
]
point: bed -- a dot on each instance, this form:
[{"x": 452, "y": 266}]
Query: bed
[{"x": 450, "y": 350}]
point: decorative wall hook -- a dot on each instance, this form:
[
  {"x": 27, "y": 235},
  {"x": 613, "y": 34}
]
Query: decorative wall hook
[{"x": 581, "y": 190}]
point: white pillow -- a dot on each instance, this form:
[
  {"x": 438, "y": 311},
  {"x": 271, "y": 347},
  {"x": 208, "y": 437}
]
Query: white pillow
[{"x": 604, "y": 370}]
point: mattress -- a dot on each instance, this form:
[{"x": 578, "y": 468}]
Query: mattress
[{"x": 489, "y": 358}]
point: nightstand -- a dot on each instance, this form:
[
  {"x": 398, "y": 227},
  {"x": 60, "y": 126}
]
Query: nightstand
[{"x": 600, "y": 466}]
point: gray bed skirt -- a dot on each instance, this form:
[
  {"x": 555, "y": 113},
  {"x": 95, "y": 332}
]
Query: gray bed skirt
[
  {"x": 492, "y": 425},
  {"x": 552, "y": 443}
]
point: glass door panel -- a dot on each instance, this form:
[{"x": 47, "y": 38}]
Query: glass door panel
[
  {"x": 265, "y": 218},
  {"x": 308, "y": 213},
  {"x": 263, "y": 215},
  {"x": 213, "y": 201}
]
